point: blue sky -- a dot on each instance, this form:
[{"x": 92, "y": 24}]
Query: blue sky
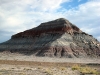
[
  {"x": 73, "y": 3},
  {"x": 19, "y": 15}
]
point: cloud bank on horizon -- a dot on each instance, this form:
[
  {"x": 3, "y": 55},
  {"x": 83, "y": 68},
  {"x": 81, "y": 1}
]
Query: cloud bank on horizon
[{"x": 20, "y": 15}]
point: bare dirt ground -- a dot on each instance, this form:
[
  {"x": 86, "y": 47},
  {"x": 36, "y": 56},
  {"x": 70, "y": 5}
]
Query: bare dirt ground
[
  {"x": 22, "y": 57},
  {"x": 18, "y": 64},
  {"x": 35, "y": 70}
]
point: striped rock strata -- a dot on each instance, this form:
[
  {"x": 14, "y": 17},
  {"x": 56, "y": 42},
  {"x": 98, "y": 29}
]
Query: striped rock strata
[{"x": 57, "y": 38}]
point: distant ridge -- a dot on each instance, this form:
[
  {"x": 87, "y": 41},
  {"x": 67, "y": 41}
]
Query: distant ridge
[{"x": 57, "y": 38}]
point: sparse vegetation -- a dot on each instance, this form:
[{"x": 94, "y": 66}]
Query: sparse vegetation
[
  {"x": 27, "y": 69},
  {"x": 39, "y": 67},
  {"x": 63, "y": 68},
  {"x": 22, "y": 74},
  {"x": 3, "y": 69},
  {"x": 85, "y": 70},
  {"x": 75, "y": 67},
  {"x": 48, "y": 69},
  {"x": 12, "y": 68}
]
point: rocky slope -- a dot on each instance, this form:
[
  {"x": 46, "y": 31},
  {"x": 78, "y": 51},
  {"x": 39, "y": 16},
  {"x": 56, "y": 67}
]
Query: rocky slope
[{"x": 57, "y": 38}]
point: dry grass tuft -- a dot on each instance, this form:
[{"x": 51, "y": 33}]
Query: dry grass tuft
[
  {"x": 85, "y": 70},
  {"x": 63, "y": 68}
]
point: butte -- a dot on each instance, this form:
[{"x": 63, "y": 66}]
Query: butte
[{"x": 57, "y": 38}]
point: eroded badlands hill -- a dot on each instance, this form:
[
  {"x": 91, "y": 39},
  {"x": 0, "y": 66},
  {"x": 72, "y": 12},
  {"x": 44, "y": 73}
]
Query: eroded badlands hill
[{"x": 57, "y": 38}]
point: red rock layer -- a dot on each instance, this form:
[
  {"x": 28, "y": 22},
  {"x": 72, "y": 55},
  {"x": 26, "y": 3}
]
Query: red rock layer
[{"x": 56, "y": 26}]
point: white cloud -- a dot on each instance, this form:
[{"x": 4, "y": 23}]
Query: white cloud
[
  {"x": 86, "y": 16},
  {"x": 19, "y": 15},
  {"x": 13, "y": 21},
  {"x": 98, "y": 38}
]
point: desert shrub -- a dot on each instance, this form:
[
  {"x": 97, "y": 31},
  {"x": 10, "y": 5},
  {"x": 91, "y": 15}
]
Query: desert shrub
[
  {"x": 62, "y": 68},
  {"x": 84, "y": 70},
  {"x": 27, "y": 69},
  {"x": 22, "y": 74},
  {"x": 3, "y": 69},
  {"x": 48, "y": 72},
  {"x": 39, "y": 67},
  {"x": 75, "y": 67}
]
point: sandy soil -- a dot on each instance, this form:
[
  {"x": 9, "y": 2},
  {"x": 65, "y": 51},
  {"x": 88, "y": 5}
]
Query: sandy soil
[
  {"x": 21, "y": 57},
  {"x": 35, "y": 70},
  {"x": 19, "y": 64}
]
